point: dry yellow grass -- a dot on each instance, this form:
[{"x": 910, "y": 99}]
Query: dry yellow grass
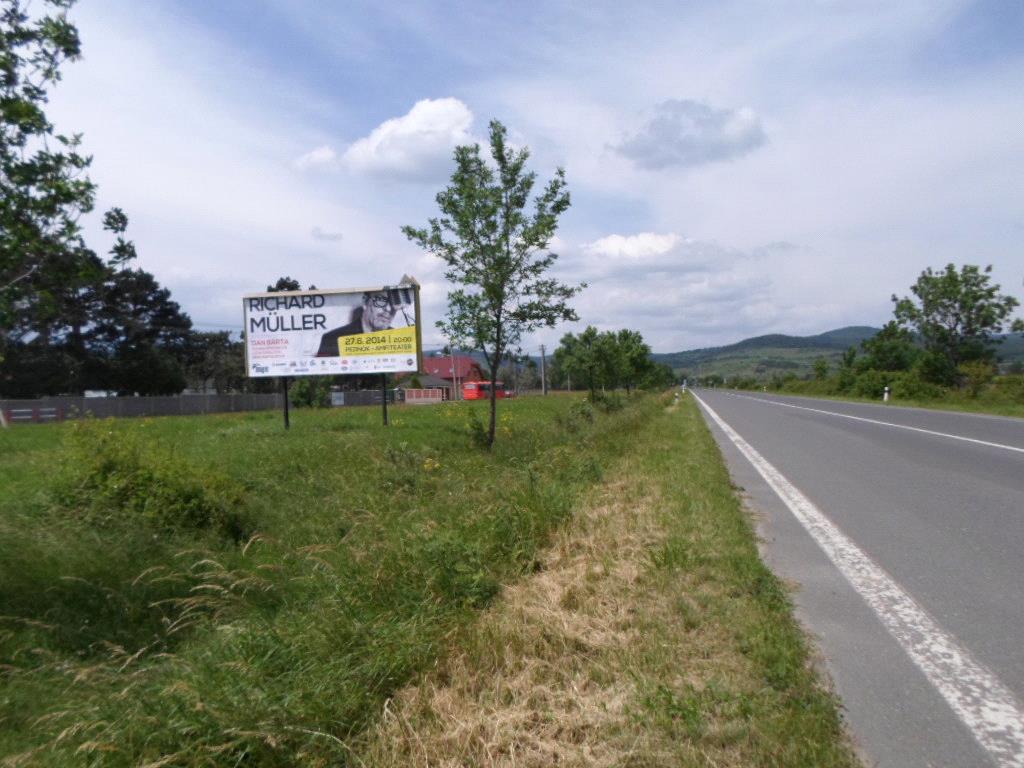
[
  {"x": 604, "y": 657},
  {"x": 539, "y": 683}
]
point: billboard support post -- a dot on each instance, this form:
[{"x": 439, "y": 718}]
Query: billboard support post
[
  {"x": 384, "y": 396},
  {"x": 284, "y": 382}
]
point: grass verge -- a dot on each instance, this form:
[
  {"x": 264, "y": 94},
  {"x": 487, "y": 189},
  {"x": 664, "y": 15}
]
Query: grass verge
[
  {"x": 1009, "y": 403},
  {"x": 216, "y": 591},
  {"x": 651, "y": 635}
]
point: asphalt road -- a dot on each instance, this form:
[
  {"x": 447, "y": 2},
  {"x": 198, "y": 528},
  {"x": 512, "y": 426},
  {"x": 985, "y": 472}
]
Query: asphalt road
[{"x": 903, "y": 533}]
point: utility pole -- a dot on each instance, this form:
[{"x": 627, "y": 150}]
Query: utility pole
[
  {"x": 284, "y": 382},
  {"x": 455, "y": 379},
  {"x": 543, "y": 376}
]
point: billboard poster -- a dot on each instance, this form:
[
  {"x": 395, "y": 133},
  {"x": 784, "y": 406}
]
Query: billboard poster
[{"x": 319, "y": 333}]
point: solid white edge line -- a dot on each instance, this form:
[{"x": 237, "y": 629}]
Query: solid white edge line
[
  {"x": 884, "y": 423},
  {"x": 986, "y": 706}
]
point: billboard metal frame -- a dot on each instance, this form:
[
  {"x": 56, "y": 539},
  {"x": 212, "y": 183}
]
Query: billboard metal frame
[{"x": 407, "y": 283}]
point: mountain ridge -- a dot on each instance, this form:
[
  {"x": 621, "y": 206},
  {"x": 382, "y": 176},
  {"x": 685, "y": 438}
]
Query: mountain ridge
[
  {"x": 781, "y": 353},
  {"x": 835, "y": 342}
]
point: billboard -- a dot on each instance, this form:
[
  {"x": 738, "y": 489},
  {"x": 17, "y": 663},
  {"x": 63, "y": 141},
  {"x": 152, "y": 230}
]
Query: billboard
[{"x": 319, "y": 333}]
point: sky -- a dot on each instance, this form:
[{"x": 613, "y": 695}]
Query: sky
[{"x": 736, "y": 168}]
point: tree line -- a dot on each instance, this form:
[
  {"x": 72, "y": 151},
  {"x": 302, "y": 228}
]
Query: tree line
[
  {"x": 601, "y": 360},
  {"x": 943, "y": 337},
  {"x": 70, "y": 318}
]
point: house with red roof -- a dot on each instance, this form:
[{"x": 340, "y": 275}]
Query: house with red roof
[
  {"x": 460, "y": 368},
  {"x": 466, "y": 368}
]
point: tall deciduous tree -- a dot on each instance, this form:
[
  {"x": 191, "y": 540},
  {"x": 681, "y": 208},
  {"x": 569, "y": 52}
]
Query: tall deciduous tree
[
  {"x": 585, "y": 358},
  {"x": 634, "y": 355},
  {"x": 955, "y": 314},
  {"x": 43, "y": 188},
  {"x": 610, "y": 359},
  {"x": 68, "y": 318},
  {"x": 891, "y": 349},
  {"x": 213, "y": 359},
  {"x": 497, "y": 252}
]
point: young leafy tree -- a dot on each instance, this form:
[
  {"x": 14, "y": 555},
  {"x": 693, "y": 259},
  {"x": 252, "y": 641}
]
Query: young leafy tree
[
  {"x": 497, "y": 252},
  {"x": 583, "y": 358},
  {"x": 821, "y": 368},
  {"x": 658, "y": 376},
  {"x": 634, "y": 356},
  {"x": 891, "y": 349},
  {"x": 955, "y": 314}
]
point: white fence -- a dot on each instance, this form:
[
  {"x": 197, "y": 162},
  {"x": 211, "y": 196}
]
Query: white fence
[{"x": 425, "y": 396}]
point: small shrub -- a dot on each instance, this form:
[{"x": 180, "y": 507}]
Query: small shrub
[
  {"x": 580, "y": 414},
  {"x": 112, "y": 478},
  {"x": 871, "y": 383},
  {"x": 608, "y": 402},
  {"x": 459, "y": 571},
  {"x": 1008, "y": 388},
  {"x": 976, "y": 376},
  {"x": 477, "y": 430},
  {"x": 311, "y": 392},
  {"x": 910, "y": 386}
]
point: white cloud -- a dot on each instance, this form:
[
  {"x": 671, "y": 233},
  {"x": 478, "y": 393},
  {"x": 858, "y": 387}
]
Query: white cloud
[
  {"x": 321, "y": 157},
  {"x": 690, "y": 133},
  {"x": 633, "y": 246},
  {"x": 628, "y": 259},
  {"x": 414, "y": 146},
  {"x": 325, "y": 236}
]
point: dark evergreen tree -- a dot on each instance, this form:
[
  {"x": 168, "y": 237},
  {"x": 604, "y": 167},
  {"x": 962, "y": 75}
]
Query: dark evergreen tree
[{"x": 285, "y": 284}]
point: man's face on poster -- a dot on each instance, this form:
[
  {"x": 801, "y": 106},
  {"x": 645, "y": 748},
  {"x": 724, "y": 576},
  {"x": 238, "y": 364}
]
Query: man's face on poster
[{"x": 378, "y": 311}]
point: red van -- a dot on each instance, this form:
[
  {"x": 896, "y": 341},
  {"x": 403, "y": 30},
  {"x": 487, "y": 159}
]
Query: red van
[{"x": 481, "y": 390}]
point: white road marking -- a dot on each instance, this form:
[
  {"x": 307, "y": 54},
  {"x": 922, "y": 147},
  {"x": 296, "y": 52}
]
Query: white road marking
[
  {"x": 885, "y": 423},
  {"x": 986, "y": 706}
]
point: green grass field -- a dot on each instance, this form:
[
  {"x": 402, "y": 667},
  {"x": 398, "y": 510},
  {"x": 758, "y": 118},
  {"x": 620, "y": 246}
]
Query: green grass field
[{"x": 217, "y": 591}]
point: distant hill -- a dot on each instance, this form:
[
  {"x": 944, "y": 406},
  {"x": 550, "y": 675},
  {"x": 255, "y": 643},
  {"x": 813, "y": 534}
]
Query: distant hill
[
  {"x": 1012, "y": 349},
  {"x": 777, "y": 353},
  {"x": 765, "y": 355}
]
